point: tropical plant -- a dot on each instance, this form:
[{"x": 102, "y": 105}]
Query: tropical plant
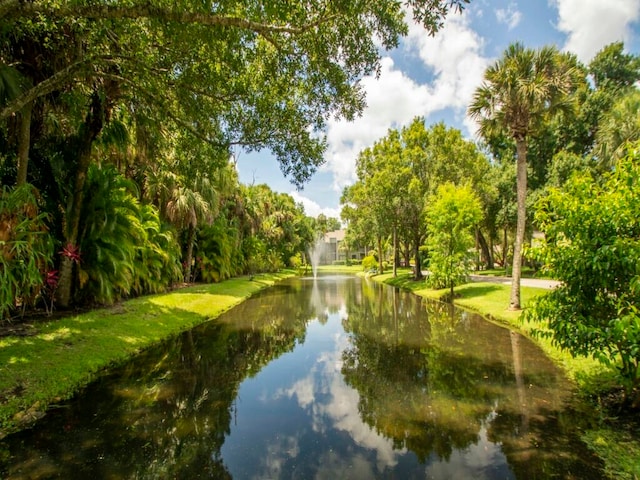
[
  {"x": 157, "y": 261},
  {"x": 519, "y": 91},
  {"x": 26, "y": 248},
  {"x": 215, "y": 254},
  {"x": 110, "y": 238},
  {"x": 592, "y": 245}
]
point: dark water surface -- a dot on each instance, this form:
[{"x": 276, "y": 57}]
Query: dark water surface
[{"x": 330, "y": 379}]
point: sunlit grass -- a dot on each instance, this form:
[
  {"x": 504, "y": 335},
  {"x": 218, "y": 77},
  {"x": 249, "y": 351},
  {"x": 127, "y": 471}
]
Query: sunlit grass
[
  {"x": 66, "y": 354},
  {"x": 339, "y": 268}
]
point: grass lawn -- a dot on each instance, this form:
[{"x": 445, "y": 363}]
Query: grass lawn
[
  {"x": 340, "y": 268},
  {"x": 527, "y": 272},
  {"x": 63, "y": 355},
  {"x": 619, "y": 448}
]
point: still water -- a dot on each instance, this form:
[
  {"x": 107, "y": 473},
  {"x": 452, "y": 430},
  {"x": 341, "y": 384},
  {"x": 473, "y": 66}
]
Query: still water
[{"x": 332, "y": 378}]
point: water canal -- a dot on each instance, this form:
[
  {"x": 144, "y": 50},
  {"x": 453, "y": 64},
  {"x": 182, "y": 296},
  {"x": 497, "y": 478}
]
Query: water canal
[{"x": 331, "y": 378}]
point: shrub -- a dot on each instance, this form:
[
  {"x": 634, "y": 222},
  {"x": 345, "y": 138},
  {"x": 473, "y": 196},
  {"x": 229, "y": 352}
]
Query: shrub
[
  {"x": 369, "y": 263},
  {"x": 592, "y": 246}
]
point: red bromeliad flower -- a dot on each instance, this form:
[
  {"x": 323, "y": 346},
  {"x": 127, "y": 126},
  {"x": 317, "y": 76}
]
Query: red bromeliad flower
[
  {"x": 72, "y": 252},
  {"x": 51, "y": 279}
]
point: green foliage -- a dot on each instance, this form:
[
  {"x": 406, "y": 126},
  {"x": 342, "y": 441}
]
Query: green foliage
[
  {"x": 26, "y": 248},
  {"x": 593, "y": 247},
  {"x": 224, "y": 71},
  {"x": 619, "y": 126},
  {"x": 612, "y": 69},
  {"x": 452, "y": 214}
]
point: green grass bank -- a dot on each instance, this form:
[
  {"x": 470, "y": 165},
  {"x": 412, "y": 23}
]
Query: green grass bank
[
  {"x": 614, "y": 441},
  {"x": 59, "y": 357}
]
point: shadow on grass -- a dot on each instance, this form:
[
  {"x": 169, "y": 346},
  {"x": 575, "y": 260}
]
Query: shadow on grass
[{"x": 406, "y": 281}]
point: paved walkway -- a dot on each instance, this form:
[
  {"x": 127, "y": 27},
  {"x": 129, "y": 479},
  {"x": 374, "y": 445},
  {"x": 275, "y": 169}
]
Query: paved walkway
[{"x": 527, "y": 282}]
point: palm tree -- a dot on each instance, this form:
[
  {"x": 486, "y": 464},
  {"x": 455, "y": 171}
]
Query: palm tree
[
  {"x": 619, "y": 126},
  {"x": 519, "y": 91},
  {"x": 186, "y": 209}
]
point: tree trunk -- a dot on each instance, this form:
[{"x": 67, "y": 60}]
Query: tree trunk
[
  {"x": 406, "y": 254},
  {"x": 486, "y": 250},
  {"x": 188, "y": 257},
  {"x": 395, "y": 252},
  {"x": 521, "y": 182},
  {"x": 505, "y": 248},
  {"x": 417, "y": 274},
  {"x": 88, "y": 133},
  {"x": 24, "y": 144},
  {"x": 380, "y": 269}
]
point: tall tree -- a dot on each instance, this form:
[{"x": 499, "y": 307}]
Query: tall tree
[
  {"x": 519, "y": 91},
  {"x": 255, "y": 74}
]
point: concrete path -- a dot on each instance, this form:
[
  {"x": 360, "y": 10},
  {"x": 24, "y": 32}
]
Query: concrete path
[{"x": 527, "y": 282}]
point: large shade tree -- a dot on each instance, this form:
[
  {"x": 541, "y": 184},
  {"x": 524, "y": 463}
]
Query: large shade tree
[
  {"x": 255, "y": 74},
  {"x": 519, "y": 92}
]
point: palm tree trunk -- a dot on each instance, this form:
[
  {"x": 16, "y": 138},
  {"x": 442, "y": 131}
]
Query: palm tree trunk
[
  {"x": 191, "y": 236},
  {"x": 24, "y": 144},
  {"x": 521, "y": 182},
  {"x": 88, "y": 133}
]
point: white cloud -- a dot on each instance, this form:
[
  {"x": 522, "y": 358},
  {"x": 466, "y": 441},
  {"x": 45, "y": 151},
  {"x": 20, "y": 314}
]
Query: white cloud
[
  {"x": 394, "y": 99},
  {"x": 592, "y": 24},
  {"x": 510, "y": 16},
  {"x": 313, "y": 209},
  {"x": 454, "y": 55}
]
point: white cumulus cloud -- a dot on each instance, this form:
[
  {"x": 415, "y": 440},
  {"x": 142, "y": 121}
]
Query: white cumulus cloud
[
  {"x": 313, "y": 209},
  {"x": 454, "y": 57},
  {"x": 592, "y": 24}
]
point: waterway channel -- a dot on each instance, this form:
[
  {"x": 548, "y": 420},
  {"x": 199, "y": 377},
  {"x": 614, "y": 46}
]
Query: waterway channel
[{"x": 330, "y": 378}]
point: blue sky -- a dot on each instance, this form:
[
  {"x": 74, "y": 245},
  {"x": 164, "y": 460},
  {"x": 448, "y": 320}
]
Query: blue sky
[{"x": 435, "y": 77}]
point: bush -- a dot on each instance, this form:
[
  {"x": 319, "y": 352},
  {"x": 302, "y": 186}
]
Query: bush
[{"x": 369, "y": 263}]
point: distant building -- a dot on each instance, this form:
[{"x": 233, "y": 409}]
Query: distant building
[{"x": 332, "y": 250}]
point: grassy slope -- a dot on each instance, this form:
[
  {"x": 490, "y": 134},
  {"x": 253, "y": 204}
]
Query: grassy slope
[
  {"x": 66, "y": 354},
  {"x": 619, "y": 449}
]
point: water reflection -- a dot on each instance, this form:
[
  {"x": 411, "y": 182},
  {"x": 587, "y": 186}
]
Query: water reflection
[{"x": 334, "y": 378}]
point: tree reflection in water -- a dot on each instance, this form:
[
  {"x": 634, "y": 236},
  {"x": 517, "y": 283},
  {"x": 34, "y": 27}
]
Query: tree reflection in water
[{"x": 334, "y": 378}]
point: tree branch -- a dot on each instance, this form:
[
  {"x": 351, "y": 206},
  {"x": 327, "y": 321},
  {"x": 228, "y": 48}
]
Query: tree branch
[
  {"x": 47, "y": 86},
  {"x": 15, "y": 9}
]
